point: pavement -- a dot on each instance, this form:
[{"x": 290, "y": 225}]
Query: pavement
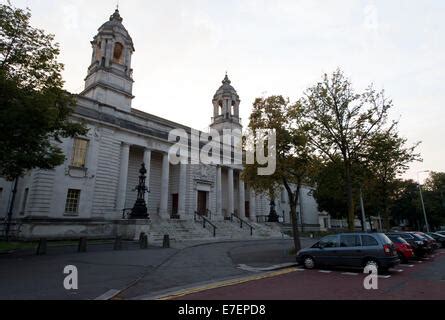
[{"x": 134, "y": 273}]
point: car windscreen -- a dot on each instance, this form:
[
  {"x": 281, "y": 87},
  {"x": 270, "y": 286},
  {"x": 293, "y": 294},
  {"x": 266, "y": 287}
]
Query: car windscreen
[
  {"x": 419, "y": 237},
  {"x": 397, "y": 239},
  {"x": 385, "y": 239}
]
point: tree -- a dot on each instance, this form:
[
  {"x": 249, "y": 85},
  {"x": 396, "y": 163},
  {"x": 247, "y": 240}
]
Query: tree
[
  {"x": 340, "y": 123},
  {"x": 34, "y": 108},
  {"x": 293, "y": 156},
  {"x": 386, "y": 158}
]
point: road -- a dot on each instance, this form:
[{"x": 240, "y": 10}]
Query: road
[{"x": 424, "y": 280}]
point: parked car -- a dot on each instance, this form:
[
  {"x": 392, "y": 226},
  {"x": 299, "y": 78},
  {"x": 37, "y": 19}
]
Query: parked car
[
  {"x": 419, "y": 245},
  {"x": 441, "y": 232},
  {"x": 440, "y": 239},
  {"x": 404, "y": 250},
  {"x": 355, "y": 250},
  {"x": 432, "y": 244}
]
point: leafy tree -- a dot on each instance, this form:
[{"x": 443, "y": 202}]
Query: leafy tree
[
  {"x": 387, "y": 156},
  {"x": 34, "y": 108},
  {"x": 293, "y": 156},
  {"x": 341, "y": 122}
]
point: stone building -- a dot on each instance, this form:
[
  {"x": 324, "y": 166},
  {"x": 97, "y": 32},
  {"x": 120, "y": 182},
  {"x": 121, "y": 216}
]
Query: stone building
[{"x": 88, "y": 193}]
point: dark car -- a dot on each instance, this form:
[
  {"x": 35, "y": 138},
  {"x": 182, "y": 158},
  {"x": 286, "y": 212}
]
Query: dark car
[
  {"x": 431, "y": 243},
  {"x": 356, "y": 250},
  {"x": 440, "y": 239},
  {"x": 441, "y": 232},
  {"x": 420, "y": 246}
]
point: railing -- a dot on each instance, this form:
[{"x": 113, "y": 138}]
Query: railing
[
  {"x": 242, "y": 223},
  {"x": 205, "y": 221}
]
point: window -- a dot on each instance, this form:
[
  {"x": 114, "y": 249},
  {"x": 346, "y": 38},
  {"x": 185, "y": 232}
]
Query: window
[
  {"x": 369, "y": 241},
  {"x": 25, "y": 200},
  {"x": 72, "y": 202},
  {"x": 348, "y": 241},
  {"x": 118, "y": 53},
  {"x": 80, "y": 149},
  {"x": 328, "y": 242},
  {"x": 1, "y": 193}
]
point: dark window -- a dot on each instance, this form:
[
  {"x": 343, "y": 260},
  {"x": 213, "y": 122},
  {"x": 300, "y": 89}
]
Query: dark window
[
  {"x": 328, "y": 242},
  {"x": 72, "y": 202},
  {"x": 369, "y": 241},
  {"x": 352, "y": 240}
]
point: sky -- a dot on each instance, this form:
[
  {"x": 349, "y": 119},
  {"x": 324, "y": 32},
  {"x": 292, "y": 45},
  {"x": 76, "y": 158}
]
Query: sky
[{"x": 184, "y": 47}]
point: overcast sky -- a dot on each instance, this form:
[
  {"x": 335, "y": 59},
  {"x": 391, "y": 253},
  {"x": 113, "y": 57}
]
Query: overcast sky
[{"x": 184, "y": 47}]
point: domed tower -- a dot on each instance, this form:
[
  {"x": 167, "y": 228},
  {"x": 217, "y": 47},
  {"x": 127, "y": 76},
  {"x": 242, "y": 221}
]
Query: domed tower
[
  {"x": 226, "y": 104},
  {"x": 110, "y": 77}
]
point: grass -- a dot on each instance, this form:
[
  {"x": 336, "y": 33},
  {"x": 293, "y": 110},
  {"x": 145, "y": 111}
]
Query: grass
[{"x": 12, "y": 246}]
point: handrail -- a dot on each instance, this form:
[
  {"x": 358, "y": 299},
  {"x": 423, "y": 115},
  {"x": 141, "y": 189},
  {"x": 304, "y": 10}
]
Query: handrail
[
  {"x": 206, "y": 221},
  {"x": 243, "y": 222}
]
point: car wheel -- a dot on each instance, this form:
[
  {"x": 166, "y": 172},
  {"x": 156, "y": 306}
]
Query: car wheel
[
  {"x": 402, "y": 258},
  {"x": 372, "y": 262},
  {"x": 309, "y": 263}
]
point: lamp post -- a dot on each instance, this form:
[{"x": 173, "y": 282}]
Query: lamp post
[
  {"x": 140, "y": 210},
  {"x": 273, "y": 216},
  {"x": 421, "y": 199}
]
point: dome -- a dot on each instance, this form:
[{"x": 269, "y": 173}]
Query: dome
[
  {"x": 114, "y": 25},
  {"x": 226, "y": 89}
]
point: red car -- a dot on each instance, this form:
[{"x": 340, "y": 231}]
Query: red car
[{"x": 403, "y": 248}]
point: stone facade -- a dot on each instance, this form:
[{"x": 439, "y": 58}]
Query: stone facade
[{"x": 119, "y": 140}]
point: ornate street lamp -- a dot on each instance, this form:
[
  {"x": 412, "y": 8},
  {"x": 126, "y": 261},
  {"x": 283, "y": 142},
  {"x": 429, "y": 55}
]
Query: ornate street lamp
[
  {"x": 273, "y": 216},
  {"x": 140, "y": 210}
]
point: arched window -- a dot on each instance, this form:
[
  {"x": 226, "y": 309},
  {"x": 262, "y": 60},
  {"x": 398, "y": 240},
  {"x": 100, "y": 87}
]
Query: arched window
[{"x": 118, "y": 54}]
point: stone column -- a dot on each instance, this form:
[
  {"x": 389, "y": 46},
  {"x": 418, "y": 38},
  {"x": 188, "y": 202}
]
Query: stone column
[
  {"x": 147, "y": 162},
  {"x": 252, "y": 203},
  {"x": 231, "y": 191},
  {"x": 163, "y": 209},
  {"x": 182, "y": 189},
  {"x": 242, "y": 198},
  {"x": 123, "y": 177},
  {"x": 219, "y": 192}
]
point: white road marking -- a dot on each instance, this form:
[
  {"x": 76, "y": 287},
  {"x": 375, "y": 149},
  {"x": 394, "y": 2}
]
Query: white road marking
[
  {"x": 325, "y": 271},
  {"x": 350, "y": 274},
  {"x": 419, "y": 261},
  {"x": 399, "y": 270},
  {"x": 272, "y": 268},
  {"x": 108, "y": 295},
  {"x": 410, "y": 266},
  {"x": 384, "y": 277}
]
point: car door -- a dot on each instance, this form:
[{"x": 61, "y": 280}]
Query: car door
[
  {"x": 351, "y": 250},
  {"x": 328, "y": 250}
]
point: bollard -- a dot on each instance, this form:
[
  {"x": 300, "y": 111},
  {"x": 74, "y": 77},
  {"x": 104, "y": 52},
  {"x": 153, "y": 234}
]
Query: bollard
[
  {"x": 118, "y": 244},
  {"x": 143, "y": 241},
  {"x": 166, "y": 243},
  {"x": 41, "y": 248},
  {"x": 82, "y": 245}
]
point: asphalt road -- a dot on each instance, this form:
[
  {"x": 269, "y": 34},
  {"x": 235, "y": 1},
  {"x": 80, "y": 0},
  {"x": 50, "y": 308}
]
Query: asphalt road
[
  {"x": 134, "y": 273},
  {"x": 424, "y": 280}
]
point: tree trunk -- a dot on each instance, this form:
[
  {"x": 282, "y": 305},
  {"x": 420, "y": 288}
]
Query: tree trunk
[
  {"x": 295, "y": 231},
  {"x": 350, "y": 198},
  {"x": 11, "y": 209},
  {"x": 293, "y": 199}
]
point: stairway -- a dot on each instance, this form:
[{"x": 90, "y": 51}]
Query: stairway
[{"x": 189, "y": 230}]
